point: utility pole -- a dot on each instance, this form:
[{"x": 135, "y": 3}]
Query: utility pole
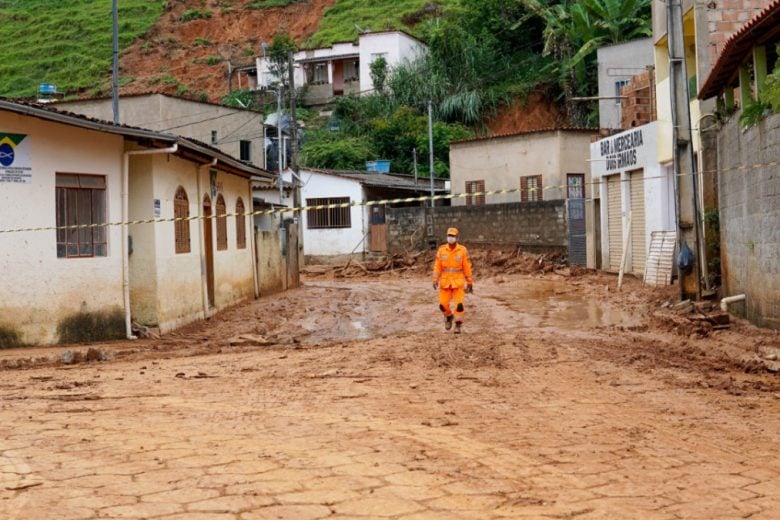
[
  {"x": 430, "y": 146},
  {"x": 686, "y": 180},
  {"x": 294, "y": 154},
  {"x": 414, "y": 161},
  {"x": 279, "y": 144},
  {"x": 115, "y": 67}
]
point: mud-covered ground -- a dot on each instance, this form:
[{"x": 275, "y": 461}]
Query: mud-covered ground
[{"x": 347, "y": 399}]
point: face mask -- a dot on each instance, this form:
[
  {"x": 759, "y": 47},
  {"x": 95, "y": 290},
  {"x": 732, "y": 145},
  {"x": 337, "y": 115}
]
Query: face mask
[{"x": 452, "y": 240}]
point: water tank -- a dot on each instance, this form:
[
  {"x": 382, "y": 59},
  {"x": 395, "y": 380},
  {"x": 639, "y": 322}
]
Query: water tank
[{"x": 379, "y": 166}]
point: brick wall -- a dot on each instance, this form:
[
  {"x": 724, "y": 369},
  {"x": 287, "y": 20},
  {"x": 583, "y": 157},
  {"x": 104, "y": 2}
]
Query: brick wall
[
  {"x": 750, "y": 218},
  {"x": 639, "y": 106},
  {"x": 533, "y": 226},
  {"x": 723, "y": 18}
]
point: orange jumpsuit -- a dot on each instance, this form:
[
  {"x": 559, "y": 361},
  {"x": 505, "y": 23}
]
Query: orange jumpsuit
[{"x": 452, "y": 270}]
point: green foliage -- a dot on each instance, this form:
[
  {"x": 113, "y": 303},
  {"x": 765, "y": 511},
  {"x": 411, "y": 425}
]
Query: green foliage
[
  {"x": 278, "y": 53},
  {"x": 240, "y": 99},
  {"x": 169, "y": 80},
  {"x": 378, "y": 71},
  {"x": 9, "y": 337},
  {"x": 195, "y": 14},
  {"x": 337, "y": 152},
  {"x": 753, "y": 112},
  {"x": 771, "y": 93},
  {"x": 182, "y": 89},
  {"x": 341, "y": 21},
  {"x": 92, "y": 326},
  {"x": 65, "y": 43},
  {"x": 265, "y": 4},
  {"x": 214, "y": 59},
  {"x": 201, "y": 42}
]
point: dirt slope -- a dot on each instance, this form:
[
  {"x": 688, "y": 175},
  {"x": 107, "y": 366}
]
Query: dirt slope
[{"x": 169, "y": 50}]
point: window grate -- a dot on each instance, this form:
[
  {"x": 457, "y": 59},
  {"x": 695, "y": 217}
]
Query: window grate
[
  {"x": 80, "y": 200},
  {"x": 475, "y": 187},
  {"x": 221, "y": 224},
  {"x": 181, "y": 209},
  {"x": 240, "y": 225},
  {"x": 327, "y": 218}
]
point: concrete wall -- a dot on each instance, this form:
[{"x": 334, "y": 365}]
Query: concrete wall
[
  {"x": 271, "y": 265},
  {"x": 501, "y": 161},
  {"x": 750, "y": 218},
  {"x": 336, "y": 241},
  {"x": 38, "y": 289},
  {"x": 616, "y": 63},
  {"x": 533, "y": 226},
  {"x": 183, "y": 117},
  {"x": 397, "y": 46}
]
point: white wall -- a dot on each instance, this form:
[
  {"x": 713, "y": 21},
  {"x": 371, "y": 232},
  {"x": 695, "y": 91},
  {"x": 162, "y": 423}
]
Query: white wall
[
  {"x": 38, "y": 289},
  {"x": 397, "y": 46},
  {"x": 620, "y": 62},
  {"x": 658, "y": 185},
  {"x": 338, "y": 241}
]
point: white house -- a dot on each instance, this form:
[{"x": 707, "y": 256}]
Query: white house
[
  {"x": 354, "y": 229},
  {"x": 344, "y": 67},
  {"x": 630, "y": 180},
  {"x": 60, "y": 170}
]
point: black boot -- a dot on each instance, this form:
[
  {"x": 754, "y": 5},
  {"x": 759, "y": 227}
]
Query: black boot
[{"x": 447, "y": 322}]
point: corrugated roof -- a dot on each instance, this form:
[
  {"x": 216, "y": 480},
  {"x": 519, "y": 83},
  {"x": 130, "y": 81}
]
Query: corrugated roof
[
  {"x": 528, "y": 132},
  {"x": 763, "y": 27},
  {"x": 49, "y": 113},
  {"x": 148, "y": 93},
  {"x": 383, "y": 180}
]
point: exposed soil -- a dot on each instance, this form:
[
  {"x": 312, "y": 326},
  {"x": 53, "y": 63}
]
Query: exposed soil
[
  {"x": 170, "y": 49},
  {"x": 346, "y": 398},
  {"x": 535, "y": 113}
]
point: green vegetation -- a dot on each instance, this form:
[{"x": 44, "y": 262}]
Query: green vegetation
[
  {"x": 201, "y": 42},
  {"x": 195, "y": 14},
  {"x": 265, "y": 4},
  {"x": 341, "y": 21},
  {"x": 768, "y": 100},
  {"x": 65, "y": 43}
]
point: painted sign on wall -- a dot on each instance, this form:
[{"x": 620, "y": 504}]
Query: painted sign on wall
[
  {"x": 620, "y": 152},
  {"x": 15, "y": 162}
]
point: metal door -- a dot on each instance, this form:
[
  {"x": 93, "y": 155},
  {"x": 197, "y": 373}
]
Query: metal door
[
  {"x": 575, "y": 206},
  {"x": 614, "y": 222},
  {"x": 378, "y": 239},
  {"x": 638, "y": 240}
]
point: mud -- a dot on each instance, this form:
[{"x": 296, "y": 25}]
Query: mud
[{"x": 347, "y": 399}]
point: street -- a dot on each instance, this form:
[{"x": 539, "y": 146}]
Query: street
[{"x": 346, "y": 398}]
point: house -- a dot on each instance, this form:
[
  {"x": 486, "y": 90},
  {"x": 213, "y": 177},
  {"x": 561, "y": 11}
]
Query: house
[
  {"x": 358, "y": 227},
  {"x": 58, "y": 169},
  {"x": 748, "y": 169},
  {"x": 344, "y": 67},
  {"x": 235, "y": 131},
  {"x": 617, "y": 64}
]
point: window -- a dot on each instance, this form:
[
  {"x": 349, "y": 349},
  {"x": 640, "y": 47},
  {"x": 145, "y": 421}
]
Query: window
[
  {"x": 245, "y": 150},
  {"x": 318, "y": 73},
  {"x": 240, "y": 225},
  {"x": 575, "y": 184},
  {"x": 80, "y": 201},
  {"x": 181, "y": 209},
  {"x": 351, "y": 70},
  {"x": 213, "y": 137},
  {"x": 619, "y": 84},
  {"x": 221, "y": 223},
  {"x": 475, "y": 187},
  {"x": 531, "y": 188},
  {"x": 325, "y": 218}
]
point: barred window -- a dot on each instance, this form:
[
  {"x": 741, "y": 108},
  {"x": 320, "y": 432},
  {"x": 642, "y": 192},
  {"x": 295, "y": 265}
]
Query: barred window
[
  {"x": 221, "y": 223},
  {"x": 475, "y": 187},
  {"x": 328, "y": 217},
  {"x": 240, "y": 225},
  {"x": 80, "y": 200},
  {"x": 531, "y": 188},
  {"x": 181, "y": 209}
]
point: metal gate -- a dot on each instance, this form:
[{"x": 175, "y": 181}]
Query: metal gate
[
  {"x": 614, "y": 222},
  {"x": 577, "y": 250},
  {"x": 638, "y": 241}
]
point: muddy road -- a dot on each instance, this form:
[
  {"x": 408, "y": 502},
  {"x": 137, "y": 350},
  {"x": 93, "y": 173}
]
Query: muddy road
[{"x": 347, "y": 399}]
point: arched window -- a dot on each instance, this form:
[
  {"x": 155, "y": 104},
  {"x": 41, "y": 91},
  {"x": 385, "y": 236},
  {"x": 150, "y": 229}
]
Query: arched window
[
  {"x": 240, "y": 225},
  {"x": 221, "y": 223},
  {"x": 181, "y": 209}
]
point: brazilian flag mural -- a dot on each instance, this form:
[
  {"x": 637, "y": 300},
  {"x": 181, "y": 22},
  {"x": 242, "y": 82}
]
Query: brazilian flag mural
[{"x": 15, "y": 162}]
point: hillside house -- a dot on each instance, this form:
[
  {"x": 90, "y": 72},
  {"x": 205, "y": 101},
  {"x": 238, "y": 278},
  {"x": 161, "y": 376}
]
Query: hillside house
[
  {"x": 344, "y": 67},
  {"x": 60, "y": 170}
]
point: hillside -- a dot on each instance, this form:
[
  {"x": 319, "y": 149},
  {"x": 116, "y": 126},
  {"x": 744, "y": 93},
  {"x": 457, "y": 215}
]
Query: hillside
[{"x": 180, "y": 47}]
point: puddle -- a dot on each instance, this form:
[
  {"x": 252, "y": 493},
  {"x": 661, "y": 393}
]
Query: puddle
[{"x": 548, "y": 303}]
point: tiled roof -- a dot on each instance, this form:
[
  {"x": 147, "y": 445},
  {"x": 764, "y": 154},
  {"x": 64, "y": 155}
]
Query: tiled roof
[{"x": 763, "y": 27}]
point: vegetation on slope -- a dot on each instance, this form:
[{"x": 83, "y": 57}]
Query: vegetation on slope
[{"x": 65, "y": 43}]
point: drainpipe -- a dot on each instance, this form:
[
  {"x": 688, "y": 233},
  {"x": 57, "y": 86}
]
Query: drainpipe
[
  {"x": 125, "y": 217},
  {"x": 724, "y": 303},
  {"x": 203, "y": 285}
]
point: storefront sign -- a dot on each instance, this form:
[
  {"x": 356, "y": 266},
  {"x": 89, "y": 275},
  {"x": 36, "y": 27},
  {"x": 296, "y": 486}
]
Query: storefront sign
[
  {"x": 620, "y": 152},
  {"x": 15, "y": 162}
]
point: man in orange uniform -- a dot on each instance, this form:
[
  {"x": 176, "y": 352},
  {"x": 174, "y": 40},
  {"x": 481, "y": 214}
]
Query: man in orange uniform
[{"x": 452, "y": 278}]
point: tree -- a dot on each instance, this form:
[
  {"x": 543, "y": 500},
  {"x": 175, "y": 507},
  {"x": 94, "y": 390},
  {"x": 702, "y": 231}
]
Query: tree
[
  {"x": 278, "y": 54},
  {"x": 378, "y": 73}
]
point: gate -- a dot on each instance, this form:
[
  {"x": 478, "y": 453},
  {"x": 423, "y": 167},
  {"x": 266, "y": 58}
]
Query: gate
[
  {"x": 577, "y": 249},
  {"x": 378, "y": 240}
]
